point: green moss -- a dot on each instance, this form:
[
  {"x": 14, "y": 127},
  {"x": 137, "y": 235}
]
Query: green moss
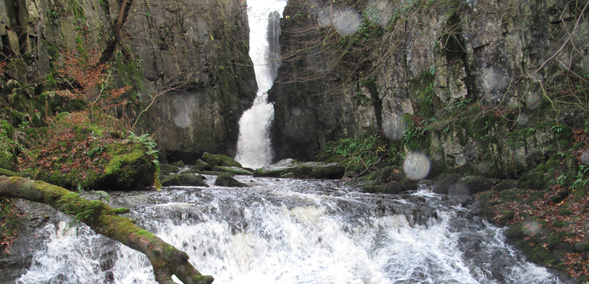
[
  {"x": 558, "y": 224},
  {"x": 201, "y": 166},
  {"x": 220, "y": 160},
  {"x": 233, "y": 170},
  {"x": 506, "y": 216},
  {"x": 534, "y": 179},
  {"x": 130, "y": 167},
  {"x": 515, "y": 194},
  {"x": 7, "y": 146},
  {"x": 120, "y": 161},
  {"x": 121, "y": 210},
  {"x": 184, "y": 179},
  {"x": 166, "y": 169}
]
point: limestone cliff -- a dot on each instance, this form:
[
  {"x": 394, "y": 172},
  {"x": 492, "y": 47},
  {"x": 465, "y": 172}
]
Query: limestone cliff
[
  {"x": 491, "y": 86},
  {"x": 192, "y": 55},
  {"x": 204, "y": 43}
]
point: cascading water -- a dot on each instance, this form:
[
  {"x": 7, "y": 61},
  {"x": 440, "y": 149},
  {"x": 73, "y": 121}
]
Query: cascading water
[
  {"x": 253, "y": 145},
  {"x": 291, "y": 231}
]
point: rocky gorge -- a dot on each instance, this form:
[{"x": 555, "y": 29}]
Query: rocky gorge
[{"x": 492, "y": 94}]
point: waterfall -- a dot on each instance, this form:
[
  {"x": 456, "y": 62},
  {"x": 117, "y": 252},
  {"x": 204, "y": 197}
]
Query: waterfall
[
  {"x": 253, "y": 145},
  {"x": 293, "y": 232}
]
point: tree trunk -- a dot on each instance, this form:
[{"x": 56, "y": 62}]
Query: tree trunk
[
  {"x": 103, "y": 219},
  {"x": 112, "y": 44}
]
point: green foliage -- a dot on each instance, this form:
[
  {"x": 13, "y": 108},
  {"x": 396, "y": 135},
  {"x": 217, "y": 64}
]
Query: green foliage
[
  {"x": 358, "y": 154},
  {"x": 581, "y": 182},
  {"x": 7, "y": 146},
  {"x": 8, "y": 223},
  {"x": 415, "y": 136}
]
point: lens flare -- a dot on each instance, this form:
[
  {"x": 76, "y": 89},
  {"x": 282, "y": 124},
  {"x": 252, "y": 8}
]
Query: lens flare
[
  {"x": 460, "y": 160},
  {"x": 346, "y": 22},
  {"x": 394, "y": 127},
  {"x": 416, "y": 166},
  {"x": 523, "y": 119},
  {"x": 585, "y": 158}
]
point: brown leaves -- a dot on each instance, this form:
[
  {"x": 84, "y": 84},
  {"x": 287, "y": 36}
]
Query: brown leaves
[
  {"x": 2, "y": 65},
  {"x": 577, "y": 266},
  {"x": 88, "y": 79},
  {"x": 543, "y": 220},
  {"x": 72, "y": 146}
]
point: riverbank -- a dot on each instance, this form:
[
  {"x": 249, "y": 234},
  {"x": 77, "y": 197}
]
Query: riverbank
[{"x": 544, "y": 208}]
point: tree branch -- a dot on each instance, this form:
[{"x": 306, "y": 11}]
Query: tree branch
[{"x": 103, "y": 219}]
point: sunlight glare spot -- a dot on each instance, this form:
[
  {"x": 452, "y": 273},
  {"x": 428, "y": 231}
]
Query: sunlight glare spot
[
  {"x": 346, "y": 22},
  {"x": 394, "y": 128},
  {"x": 416, "y": 166},
  {"x": 585, "y": 158},
  {"x": 460, "y": 160}
]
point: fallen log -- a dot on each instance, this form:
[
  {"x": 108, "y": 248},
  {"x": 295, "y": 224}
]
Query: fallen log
[{"x": 103, "y": 219}]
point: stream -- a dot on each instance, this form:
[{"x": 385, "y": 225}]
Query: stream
[{"x": 291, "y": 231}]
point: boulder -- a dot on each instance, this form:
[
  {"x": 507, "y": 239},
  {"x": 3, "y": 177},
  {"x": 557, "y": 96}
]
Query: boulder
[
  {"x": 184, "y": 179},
  {"x": 391, "y": 180},
  {"x": 201, "y": 166},
  {"x": 229, "y": 181},
  {"x": 178, "y": 164},
  {"x": 166, "y": 169},
  {"x": 453, "y": 184},
  {"x": 233, "y": 170},
  {"x": 220, "y": 160},
  {"x": 290, "y": 168}
]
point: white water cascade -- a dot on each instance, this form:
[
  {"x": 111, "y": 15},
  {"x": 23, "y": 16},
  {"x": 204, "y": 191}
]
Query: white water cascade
[
  {"x": 290, "y": 232},
  {"x": 253, "y": 145}
]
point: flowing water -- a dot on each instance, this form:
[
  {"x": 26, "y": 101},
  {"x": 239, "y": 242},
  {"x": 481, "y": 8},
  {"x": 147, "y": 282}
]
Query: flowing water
[
  {"x": 253, "y": 145},
  {"x": 292, "y": 231}
]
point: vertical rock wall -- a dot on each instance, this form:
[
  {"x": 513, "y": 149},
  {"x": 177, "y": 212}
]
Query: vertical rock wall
[
  {"x": 194, "y": 52},
  {"x": 470, "y": 79},
  {"x": 203, "y": 47}
]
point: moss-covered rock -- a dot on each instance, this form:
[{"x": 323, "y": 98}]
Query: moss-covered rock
[
  {"x": 219, "y": 160},
  {"x": 166, "y": 169},
  {"x": 184, "y": 179},
  {"x": 130, "y": 167},
  {"x": 292, "y": 169},
  {"x": 391, "y": 180},
  {"x": 229, "y": 181},
  {"x": 178, "y": 164},
  {"x": 79, "y": 154},
  {"x": 470, "y": 184},
  {"x": 201, "y": 166},
  {"x": 233, "y": 170}
]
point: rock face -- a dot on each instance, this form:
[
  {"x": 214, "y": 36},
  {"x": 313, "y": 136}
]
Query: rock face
[
  {"x": 470, "y": 83},
  {"x": 203, "y": 46},
  {"x": 192, "y": 55},
  {"x": 473, "y": 84}
]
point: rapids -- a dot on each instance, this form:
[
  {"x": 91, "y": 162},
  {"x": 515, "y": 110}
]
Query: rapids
[{"x": 291, "y": 231}]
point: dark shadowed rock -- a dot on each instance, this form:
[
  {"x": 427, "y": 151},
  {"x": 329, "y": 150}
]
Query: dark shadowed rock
[
  {"x": 290, "y": 168},
  {"x": 233, "y": 170},
  {"x": 184, "y": 179},
  {"x": 166, "y": 169},
  {"x": 228, "y": 180},
  {"x": 390, "y": 180}
]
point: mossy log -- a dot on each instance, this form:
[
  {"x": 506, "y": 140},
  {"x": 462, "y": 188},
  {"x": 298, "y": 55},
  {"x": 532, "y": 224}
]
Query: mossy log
[{"x": 103, "y": 219}]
